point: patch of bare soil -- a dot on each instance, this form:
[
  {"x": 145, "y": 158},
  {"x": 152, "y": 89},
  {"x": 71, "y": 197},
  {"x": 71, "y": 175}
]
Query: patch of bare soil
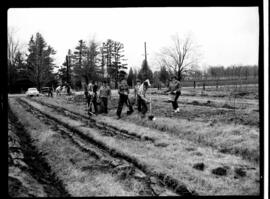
[{"x": 29, "y": 173}]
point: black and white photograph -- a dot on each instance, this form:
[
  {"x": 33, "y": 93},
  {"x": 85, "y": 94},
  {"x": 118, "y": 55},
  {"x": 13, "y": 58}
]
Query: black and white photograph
[{"x": 134, "y": 101}]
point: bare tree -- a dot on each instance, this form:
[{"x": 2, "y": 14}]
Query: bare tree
[
  {"x": 180, "y": 57},
  {"x": 13, "y": 45},
  {"x": 13, "y": 49}
]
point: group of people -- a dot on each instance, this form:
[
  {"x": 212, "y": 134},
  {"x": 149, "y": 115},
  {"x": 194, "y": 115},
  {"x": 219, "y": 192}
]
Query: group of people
[
  {"x": 60, "y": 89},
  {"x": 99, "y": 96}
]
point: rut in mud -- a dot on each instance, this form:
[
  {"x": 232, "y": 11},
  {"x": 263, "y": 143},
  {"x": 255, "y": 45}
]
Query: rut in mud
[
  {"x": 38, "y": 179},
  {"x": 125, "y": 171},
  {"x": 58, "y": 119}
]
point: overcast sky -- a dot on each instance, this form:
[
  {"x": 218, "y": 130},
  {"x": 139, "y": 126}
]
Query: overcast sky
[{"x": 225, "y": 35}]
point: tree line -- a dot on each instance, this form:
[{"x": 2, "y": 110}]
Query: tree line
[
  {"x": 89, "y": 61},
  {"x": 97, "y": 61}
]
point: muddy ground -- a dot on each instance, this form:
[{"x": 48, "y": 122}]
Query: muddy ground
[
  {"x": 218, "y": 142},
  {"x": 29, "y": 173}
]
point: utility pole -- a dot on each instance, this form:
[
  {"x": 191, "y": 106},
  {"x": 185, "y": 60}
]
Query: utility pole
[
  {"x": 145, "y": 54},
  {"x": 68, "y": 66}
]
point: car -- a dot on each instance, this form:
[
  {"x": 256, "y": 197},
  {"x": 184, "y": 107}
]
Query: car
[{"x": 32, "y": 92}]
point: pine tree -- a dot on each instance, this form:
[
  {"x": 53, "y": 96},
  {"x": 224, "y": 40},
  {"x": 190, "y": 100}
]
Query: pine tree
[
  {"x": 114, "y": 59},
  {"x": 39, "y": 61},
  {"x": 145, "y": 72},
  {"x": 92, "y": 69},
  {"x": 164, "y": 75},
  {"x": 135, "y": 76},
  {"x": 78, "y": 57},
  {"x": 130, "y": 78}
]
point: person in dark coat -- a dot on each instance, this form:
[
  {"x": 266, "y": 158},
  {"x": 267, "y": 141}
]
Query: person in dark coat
[
  {"x": 136, "y": 89},
  {"x": 123, "y": 91},
  {"x": 50, "y": 92},
  {"x": 104, "y": 94},
  {"x": 174, "y": 91},
  {"x": 94, "y": 99}
]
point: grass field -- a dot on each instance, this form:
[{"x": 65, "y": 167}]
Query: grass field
[{"x": 211, "y": 146}]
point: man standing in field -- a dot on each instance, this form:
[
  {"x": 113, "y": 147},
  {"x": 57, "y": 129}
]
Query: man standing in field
[
  {"x": 142, "y": 100},
  {"x": 94, "y": 96},
  {"x": 87, "y": 94},
  {"x": 175, "y": 91},
  {"x": 136, "y": 89},
  {"x": 104, "y": 94},
  {"x": 58, "y": 90},
  {"x": 123, "y": 91}
]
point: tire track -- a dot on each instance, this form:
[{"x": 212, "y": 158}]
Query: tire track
[
  {"x": 160, "y": 180},
  {"x": 103, "y": 127}
]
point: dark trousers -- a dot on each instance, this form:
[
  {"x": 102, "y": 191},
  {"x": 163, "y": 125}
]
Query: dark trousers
[
  {"x": 92, "y": 99},
  {"x": 139, "y": 103},
  {"x": 104, "y": 102},
  {"x": 175, "y": 103},
  {"x": 88, "y": 98},
  {"x": 142, "y": 104},
  {"x": 123, "y": 99},
  {"x": 50, "y": 94}
]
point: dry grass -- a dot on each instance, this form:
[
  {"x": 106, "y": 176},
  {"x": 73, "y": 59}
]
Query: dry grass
[
  {"x": 59, "y": 152},
  {"x": 176, "y": 161},
  {"x": 229, "y": 138},
  {"x": 234, "y": 139}
]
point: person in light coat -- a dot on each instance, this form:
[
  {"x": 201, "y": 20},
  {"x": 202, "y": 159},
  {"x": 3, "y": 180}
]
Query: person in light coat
[{"x": 142, "y": 99}]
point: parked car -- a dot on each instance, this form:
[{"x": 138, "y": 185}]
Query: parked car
[{"x": 32, "y": 92}]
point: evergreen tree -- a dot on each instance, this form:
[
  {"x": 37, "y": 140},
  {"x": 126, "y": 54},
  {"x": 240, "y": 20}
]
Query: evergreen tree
[
  {"x": 135, "y": 76},
  {"x": 156, "y": 81},
  {"x": 78, "y": 57},
  {"x": 145, "y": 72},
  {"x": 39, "y": 61},
  {"x": 130, "y": 79},
  {"x": 164, "y": 75},
  {"x": 91, "y": 69},
  {"x": 114, "y": 59}
]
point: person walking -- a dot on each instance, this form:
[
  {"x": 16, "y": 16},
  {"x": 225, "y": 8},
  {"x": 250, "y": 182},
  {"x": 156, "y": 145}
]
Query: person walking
[
  {"x": 175, "y": 91},
  {"x": 68, "y": 89},
  {"x": 50, "y": 93},
  {"x": 87, "y": 95},
  {"x": 104, "y": 94},
  {"x": 58, "y": 90},
  {"x": 142, "y": 100},
  {"x": 94, "y": 96},
  {"x": 136, "y": 89},
  {"x": 123, "y": 91}
]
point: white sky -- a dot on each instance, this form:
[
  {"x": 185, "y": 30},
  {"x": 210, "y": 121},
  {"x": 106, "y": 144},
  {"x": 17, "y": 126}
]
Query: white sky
[{"x": 226, "y": 35}]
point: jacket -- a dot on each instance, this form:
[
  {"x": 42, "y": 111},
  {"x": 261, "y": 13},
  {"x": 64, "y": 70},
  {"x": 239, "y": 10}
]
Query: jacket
[
  {"x": 123, "y": 88},
  {"x": 105, "y": 91},
  {"x": 174, "y": 86},
  {"x": 142, "y": 91}
]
